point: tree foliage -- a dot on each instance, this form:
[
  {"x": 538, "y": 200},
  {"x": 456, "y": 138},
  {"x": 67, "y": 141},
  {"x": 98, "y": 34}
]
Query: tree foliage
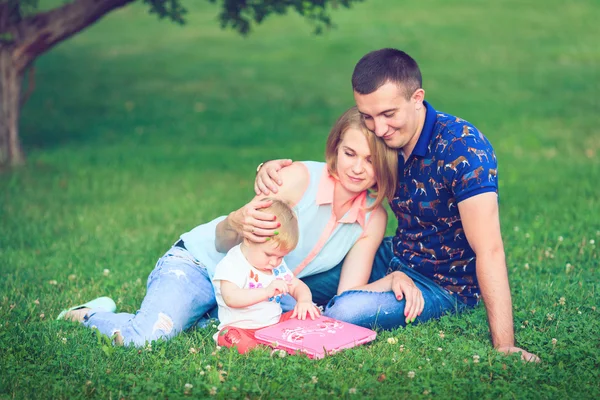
[{"x": 27, "y": 32}]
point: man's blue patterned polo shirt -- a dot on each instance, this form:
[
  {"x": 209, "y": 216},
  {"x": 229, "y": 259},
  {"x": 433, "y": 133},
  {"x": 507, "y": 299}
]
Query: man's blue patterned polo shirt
[{"x": 451, "y": 162}]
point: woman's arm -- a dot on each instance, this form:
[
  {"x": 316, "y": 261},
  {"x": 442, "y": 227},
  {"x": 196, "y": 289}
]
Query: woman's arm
[
  {"x": 230, "y": 231},
  {"x": 358, "y": 263},
  {"x": 251, "y": 223},
  {"x": 404, "y": 288}
]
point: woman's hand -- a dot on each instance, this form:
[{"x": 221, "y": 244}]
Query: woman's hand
[
  {"x": 405, "y": 288},
  {"x": 253, "y": 224},
  {"x": 267, "y": 177},
  {"x": 303, "y": 308}
]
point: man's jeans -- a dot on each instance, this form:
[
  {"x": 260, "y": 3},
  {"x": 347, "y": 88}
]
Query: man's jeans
[
  {"x": 373, "y": 309},
  {"x": 179, "y": 293}
]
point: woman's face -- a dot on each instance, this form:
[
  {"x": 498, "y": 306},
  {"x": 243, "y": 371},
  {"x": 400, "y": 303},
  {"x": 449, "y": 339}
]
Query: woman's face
[{"x": 354, "y": 168}]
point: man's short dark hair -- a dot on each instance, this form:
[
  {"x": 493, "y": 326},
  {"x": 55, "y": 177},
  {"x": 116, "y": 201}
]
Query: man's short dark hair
[{"x": 386, "y": 65}]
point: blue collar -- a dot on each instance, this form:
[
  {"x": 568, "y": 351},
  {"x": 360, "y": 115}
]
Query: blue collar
[{"x": 422, "y": 145}]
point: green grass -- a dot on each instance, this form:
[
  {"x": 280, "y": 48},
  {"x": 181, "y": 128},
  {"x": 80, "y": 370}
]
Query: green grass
[{"x": 141, "y": 129}]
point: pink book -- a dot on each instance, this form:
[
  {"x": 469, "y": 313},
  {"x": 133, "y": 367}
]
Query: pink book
[{"x": 314, "y": 337}]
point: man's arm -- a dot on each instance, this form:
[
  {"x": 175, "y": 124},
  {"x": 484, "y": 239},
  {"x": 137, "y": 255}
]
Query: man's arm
[
  {"x": 268, "y": 178},
  {"x": 481, "y": 223}
]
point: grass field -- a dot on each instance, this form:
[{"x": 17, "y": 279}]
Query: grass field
[{"x": 140, "y": 129}]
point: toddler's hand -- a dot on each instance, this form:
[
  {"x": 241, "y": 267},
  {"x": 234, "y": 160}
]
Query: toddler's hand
[
  {"x": 277, "y": 287},
  {"x": 305, "y": 307}
]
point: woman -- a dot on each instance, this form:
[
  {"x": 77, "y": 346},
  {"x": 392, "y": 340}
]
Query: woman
[{"x": 338, "y": 220}]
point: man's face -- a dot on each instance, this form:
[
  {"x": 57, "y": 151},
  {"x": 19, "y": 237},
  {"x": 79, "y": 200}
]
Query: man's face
[{"x": 391, "y": 116}]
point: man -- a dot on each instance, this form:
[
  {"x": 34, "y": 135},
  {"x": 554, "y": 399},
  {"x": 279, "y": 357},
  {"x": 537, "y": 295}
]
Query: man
[{"x": 448, "y": 237}]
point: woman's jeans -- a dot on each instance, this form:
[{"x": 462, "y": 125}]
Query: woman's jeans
[
  {"x": 179, "y": 293},
  {"x": 374, "y": 309}
]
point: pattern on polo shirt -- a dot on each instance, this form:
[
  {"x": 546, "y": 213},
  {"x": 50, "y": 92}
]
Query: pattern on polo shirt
[{"x": 459, "y": 163}]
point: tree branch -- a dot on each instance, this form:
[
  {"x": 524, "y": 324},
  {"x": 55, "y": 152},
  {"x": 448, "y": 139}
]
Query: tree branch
[{"x": 40, "y": 32}]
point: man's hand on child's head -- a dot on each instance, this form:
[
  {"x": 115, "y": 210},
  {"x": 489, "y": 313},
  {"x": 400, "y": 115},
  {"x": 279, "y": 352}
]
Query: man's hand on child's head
[{"x": 304, "y": 308}]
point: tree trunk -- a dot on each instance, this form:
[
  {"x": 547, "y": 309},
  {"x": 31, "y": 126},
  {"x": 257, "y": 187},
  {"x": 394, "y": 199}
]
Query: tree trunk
[
  {"x": 11, "y": 153},
  {"x": 31, "y": 37}
]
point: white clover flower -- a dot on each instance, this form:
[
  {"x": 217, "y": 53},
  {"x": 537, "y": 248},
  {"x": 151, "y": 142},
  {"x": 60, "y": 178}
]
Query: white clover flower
[
  {"x": 314, "y": 379},
  {"x": 282, "y": 353},
  {"x": 411, "y": 374},
  {"x": 554, "y": 341},
  {"x": 516, "y": 228},
  {"x": 64, "y": 340},
  {"x": 42, "y": 315},
  {"x": 392, "y": 340},
  {"x": 476, "y": 358},
  {"x": 36, "y": 301},
  {"x": 592, "y": 241},
  {"x": 188, "y": 386},
  {"x": 560, "y": 238},
  {"x": 550, "y": 316},
  {"x": 106, "y": 272},
  {"x": 442, "y": 335},
  {"x": 527, "y": 235},
  {"x": 193, "y": 350},
  {"x": 568, "y": 268},
  {"x": 562, "y": 301},
  {"x": 352, "y": 391},
  {"x": 526, "y": 265},
  {"x": 213, "y": 391},
  {"x": 208, "y": 367},
  {"x": 201, "y": 372},
  {"x": 218, "y": 348},
  {"x": 72, "y": 277},
  {"x": 439, "y": 349},
  {"x": 52, "y": 282}
]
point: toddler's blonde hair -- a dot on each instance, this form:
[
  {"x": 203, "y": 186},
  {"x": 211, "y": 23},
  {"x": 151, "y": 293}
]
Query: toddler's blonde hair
[{"x": 287, "y": 238}]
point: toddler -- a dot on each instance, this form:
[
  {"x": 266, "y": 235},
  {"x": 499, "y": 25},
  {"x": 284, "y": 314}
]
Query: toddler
[{"x": 251, "y": 279}]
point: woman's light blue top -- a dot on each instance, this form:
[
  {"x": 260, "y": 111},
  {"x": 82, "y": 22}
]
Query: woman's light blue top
[{"x": 324, "y": 240}]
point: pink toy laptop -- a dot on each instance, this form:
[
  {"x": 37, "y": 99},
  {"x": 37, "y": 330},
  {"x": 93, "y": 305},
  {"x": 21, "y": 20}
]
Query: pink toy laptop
[{"x": 314, "y": 337}]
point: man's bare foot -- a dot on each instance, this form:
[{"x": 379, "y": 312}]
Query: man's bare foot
[{"x": 77, "y": 315}]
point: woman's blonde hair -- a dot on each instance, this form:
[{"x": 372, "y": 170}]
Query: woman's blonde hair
[
  {"x": 287, "y": 238},
  {"x": 383, "y": 158}
]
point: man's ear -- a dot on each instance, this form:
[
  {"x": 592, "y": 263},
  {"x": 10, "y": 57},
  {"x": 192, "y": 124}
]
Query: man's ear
[{"x": 418, "y": 97}]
